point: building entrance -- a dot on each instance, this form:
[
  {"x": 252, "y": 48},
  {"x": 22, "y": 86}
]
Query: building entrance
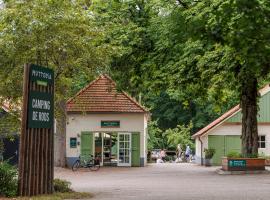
[{"x": 110, "y": 149}]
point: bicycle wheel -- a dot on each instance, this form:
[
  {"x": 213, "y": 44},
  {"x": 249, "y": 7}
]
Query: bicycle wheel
[
  {"x": 76, "y": 165},
  {"x": 94, "y": 166}
]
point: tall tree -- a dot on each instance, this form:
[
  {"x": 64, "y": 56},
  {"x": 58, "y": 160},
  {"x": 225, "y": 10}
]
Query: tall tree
[
  {"x": 215, "y": 48},
  {"x": 59, "y": 34}
]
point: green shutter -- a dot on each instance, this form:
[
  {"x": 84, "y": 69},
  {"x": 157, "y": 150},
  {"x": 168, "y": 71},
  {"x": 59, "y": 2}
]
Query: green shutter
[
  {"x": 233, "y": 143},
  {"x": 86, "y": 144},
  {"x": 223, "y": 145},
  {"x": 135, "y": 150},
  {"x": 217, "y": 142}
]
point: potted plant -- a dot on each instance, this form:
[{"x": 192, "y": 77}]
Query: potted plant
[{"x": 209, "y": 153}]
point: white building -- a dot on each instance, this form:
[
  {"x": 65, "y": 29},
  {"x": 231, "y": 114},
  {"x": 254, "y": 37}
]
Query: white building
[
  {"x": 108, "y": 124},
  {"x": 224, "y": 133}
]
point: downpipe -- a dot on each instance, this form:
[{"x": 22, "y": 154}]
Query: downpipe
[{"x": 201, "y": 150}]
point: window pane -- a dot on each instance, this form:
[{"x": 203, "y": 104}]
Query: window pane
[{"x": 262, "y": 145}]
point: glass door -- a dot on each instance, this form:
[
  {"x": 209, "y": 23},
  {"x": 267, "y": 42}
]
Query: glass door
[
  {"x": 124, "y": 152},
  {"x": 110, "y": 149}
]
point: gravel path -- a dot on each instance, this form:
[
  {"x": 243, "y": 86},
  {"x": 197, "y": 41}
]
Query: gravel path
[{"x": 167, "y": 182}]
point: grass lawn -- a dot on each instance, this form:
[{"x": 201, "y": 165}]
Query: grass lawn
[{"x": 56, "y": 196}]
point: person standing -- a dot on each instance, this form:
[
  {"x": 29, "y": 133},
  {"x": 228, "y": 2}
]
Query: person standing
[
  {"x": 187, "y": 153},
  {"x": 162, "y": 154},
  {"x": 179, "y": 153}
]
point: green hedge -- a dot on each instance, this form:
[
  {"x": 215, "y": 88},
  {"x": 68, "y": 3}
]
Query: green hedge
[{"x": 8, "y": 180}]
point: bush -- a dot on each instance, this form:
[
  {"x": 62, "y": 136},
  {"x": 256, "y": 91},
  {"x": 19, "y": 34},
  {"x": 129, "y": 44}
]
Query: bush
[
  {"x": 8, "y": 180},
  {"x": 233, "y": 154},
  {"x": 61, "y": 185},
  {"x": 250, "y": 156},
  {"x": 209, "y": 153}
]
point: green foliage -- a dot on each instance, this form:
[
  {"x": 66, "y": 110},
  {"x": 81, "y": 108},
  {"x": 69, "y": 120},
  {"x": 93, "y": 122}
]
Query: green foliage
[
  {"x": 62, "y": 35},
  {"x": 8, "y": 180},
  {"x": 179, "y": 135},
  {"x": 2, "y": 147},
  {"x": 233, "y": 154},
  {"x": 255, "y": 155},
  {"x": 209, "y": 153},
  {"x": 61, "y": 185},
  {"x": 155, "y": 139},
  {"x": 9, "y": 122}
]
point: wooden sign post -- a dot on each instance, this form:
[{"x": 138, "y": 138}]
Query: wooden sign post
[{"x": 37, "y": 134}]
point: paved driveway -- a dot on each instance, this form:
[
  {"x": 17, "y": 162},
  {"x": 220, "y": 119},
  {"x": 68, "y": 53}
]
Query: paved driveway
[{"x": 167, "y": 181}]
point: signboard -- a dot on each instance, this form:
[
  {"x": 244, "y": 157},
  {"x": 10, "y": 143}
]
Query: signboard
[
  {"x": 36, "y": 163},
  {"x": 41, "y": 75},
  {"x": 73, "y": 143},
  {"x": 110, "y": 124},
  {"x": 237, "y": 163},
  {"x": 40, "y": 110},
  {"x": 40, "y": 103}
]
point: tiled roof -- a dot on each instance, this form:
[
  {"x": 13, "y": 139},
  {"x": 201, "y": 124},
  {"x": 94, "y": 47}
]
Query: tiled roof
[
  {"x": 226, "y": 115},
  {"x": 101, "y": 95},
  {"x": 217, "y": 121}
]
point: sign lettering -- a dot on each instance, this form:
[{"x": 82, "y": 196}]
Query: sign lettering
[
  {"x": 110, "y": 124},
  {"x": 41, "y": 75},
  {"x": 237, "y": 163},
  {"x": 40, "y": 110}
]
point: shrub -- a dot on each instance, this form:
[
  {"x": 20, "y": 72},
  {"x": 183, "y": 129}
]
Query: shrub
[
  {"x": 233, "y": 154},
  {"x": 209, "y": 153},
  {"x": 251, "y": 155},
  {"x": 8, "y": 180},
  {"x": 61, "y": 185}
]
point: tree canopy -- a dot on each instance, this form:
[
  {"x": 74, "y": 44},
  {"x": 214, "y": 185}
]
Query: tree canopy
[{"x": 185, "y": 60}]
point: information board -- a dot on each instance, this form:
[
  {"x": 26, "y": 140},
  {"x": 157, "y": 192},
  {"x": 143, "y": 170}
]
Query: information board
[
  {"x": 110, "y": 124},
  {"x": 237, "y": 163},
  {"x": 40, "y": 102}
]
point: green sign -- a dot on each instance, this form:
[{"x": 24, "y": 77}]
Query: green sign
[
  {"x": 73, "y": 142},
  {"x": 237, "y": 163},
  {"x": 40, "y": 110},
  {"x": 40, "y": 100},
  {"x": 41, "y": 75},
  {"x": 110, "y": 124}
]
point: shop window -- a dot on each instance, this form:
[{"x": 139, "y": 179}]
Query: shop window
[
  {"x": 261, "y": 141},
  {"x": 73, "y": 143}
]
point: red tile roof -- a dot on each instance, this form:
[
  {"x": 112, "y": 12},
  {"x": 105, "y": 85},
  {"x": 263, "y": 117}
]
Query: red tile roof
[
  {"x": 217, "y": 121},
  {"x": 101, "y": 95},
  {"x": 226, "y": 115}
]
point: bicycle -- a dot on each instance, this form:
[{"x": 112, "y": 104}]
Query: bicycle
[{"x": 92, "y": 163}]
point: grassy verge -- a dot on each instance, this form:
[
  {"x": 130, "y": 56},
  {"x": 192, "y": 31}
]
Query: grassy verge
[{"x": 56, "y": 196}]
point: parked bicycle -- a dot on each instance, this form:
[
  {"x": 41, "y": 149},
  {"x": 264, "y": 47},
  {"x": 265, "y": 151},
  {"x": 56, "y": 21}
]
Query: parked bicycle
[{"x": 91, "y": 163}]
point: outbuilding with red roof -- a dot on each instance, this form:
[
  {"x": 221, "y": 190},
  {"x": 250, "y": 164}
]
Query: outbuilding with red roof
[{"x": 107, "y": 123}]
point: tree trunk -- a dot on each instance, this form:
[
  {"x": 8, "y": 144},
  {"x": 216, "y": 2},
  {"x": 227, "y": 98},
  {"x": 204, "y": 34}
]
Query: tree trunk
[
  {"x": 60, "y": 136},
  {"x": 249, "y": 136}
]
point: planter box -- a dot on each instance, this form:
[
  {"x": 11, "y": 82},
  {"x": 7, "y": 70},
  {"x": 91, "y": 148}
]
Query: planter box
[
  {"x": 243, "y": 164},
  {"x": 267, "y": 162}
]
